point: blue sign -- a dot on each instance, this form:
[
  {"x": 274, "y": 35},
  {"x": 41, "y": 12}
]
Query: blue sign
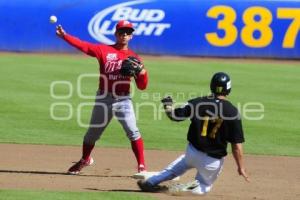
[{"x": 225, "y": 28}]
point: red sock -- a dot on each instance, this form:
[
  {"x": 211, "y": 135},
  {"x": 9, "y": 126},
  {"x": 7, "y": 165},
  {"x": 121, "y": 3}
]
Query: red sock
[
  {"x": 138, "y": 150},
  {"x": 86, "y": 150}
]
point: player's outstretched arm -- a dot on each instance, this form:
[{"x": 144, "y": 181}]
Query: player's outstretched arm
[
  {"x": 174, "y": 114},
  {"x": 237, "y": 152},
  {"x": 85, "y": 47}
]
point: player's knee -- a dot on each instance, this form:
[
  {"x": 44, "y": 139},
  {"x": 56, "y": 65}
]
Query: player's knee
[
  {"x": 199, "y": 192},
  {"x": 201, "y": 189},
  {"x": 134, "y": 135}
]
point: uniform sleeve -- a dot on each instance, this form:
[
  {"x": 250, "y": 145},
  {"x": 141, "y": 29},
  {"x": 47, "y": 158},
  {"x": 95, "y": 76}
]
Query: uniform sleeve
[
  {"x": 184, "y": 111},
  {"x": 86, "y": 47},
  {"x": 142, "y": 80},
  {"x": 236, "y": 134},
  {"x": 181, "y": 113}
]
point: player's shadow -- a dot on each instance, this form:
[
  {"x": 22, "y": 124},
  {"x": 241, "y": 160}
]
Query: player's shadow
[{"x": 60, "y": 173}]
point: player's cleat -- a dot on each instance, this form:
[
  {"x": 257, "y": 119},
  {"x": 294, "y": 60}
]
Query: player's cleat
[
  {"x": 148, "y": 187},
  {"x": 183, "y": 189},
  {"x": 141, "y": 168},
  {"x": 77, "y": 167}
]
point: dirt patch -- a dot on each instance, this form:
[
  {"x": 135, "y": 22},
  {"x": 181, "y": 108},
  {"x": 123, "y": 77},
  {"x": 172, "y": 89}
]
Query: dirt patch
[{"x": 43, "y": 167}]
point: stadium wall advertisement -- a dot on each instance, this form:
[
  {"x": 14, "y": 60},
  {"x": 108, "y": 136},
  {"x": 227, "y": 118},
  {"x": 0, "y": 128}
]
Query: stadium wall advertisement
[{"x": 224, "y": 28}]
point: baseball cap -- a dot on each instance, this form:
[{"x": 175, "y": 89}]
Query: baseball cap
[{"x": 124, "y": 24}]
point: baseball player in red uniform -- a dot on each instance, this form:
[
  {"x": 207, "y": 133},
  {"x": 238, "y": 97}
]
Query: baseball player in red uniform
[
  {"x": 215, "y": 122},
  {"x": 113, "y": 96}
]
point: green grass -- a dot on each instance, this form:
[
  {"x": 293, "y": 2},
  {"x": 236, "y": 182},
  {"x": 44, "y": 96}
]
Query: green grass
[
  {"x": 47, "y": 195},
  {"x": 25, "y": 101}
]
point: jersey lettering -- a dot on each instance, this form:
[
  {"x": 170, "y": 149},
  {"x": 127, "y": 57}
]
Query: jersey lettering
[
  {"x": 111, "y": 66},
  {"x": 215, "y": 123}
]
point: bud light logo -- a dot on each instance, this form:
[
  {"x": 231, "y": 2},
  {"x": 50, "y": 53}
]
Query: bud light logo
[{"x": 146, "y": 22}]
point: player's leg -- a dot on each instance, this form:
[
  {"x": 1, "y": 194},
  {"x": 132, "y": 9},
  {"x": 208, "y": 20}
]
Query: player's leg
[
  {"x": 208, "y": 169},
  {"x": 208, "y": 175},
  {"x": 101, "y": 116},
  {"x": 174, "y": 169},
  {"x": 124, "y": 112}
]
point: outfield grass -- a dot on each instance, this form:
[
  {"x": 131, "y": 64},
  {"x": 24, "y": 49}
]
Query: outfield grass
[
  {"x": 46, "y": 195},
  {"x": 25, "y": 101}
]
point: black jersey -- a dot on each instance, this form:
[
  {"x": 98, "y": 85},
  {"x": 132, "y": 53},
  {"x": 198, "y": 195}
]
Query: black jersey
[{"x": 214, "y": 123}]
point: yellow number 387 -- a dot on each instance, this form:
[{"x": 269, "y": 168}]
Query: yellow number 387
[{"x": 247, "y": 32}]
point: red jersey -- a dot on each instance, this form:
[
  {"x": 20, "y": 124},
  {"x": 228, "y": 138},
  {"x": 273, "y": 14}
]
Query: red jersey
[{"x": 110, "y": 59}]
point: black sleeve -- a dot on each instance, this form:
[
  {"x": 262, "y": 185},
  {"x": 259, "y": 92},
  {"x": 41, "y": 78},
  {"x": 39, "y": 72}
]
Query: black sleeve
[
  {"x": 181, "y": 113},
  {"x": 236, "y": 134}
]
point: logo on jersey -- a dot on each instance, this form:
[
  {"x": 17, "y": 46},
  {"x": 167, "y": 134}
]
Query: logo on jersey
[
  {"x": 145, "y": 21},
  {"x": 111, "y": 56}
]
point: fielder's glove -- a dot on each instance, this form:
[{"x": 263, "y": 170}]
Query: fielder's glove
[
  {"x": 167, "y": 102},
  {"x": 131, "y": 66}
]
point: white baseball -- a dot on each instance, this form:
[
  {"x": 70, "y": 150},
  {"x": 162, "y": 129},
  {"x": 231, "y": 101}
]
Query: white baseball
[{"x": 53, "y": 19}]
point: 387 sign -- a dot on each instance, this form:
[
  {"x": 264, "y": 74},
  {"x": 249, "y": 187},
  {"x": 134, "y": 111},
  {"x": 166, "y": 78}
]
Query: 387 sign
[{"x": 254, "y": 26}]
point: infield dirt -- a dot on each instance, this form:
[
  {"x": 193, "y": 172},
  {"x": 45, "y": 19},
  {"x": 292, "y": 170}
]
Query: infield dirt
[{"x": 43, "y": 167}]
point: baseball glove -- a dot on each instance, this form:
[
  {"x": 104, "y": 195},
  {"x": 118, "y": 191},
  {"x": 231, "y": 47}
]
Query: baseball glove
[
  {"x": 131, "y": 66},
  {"x": 167, "y": 101}
]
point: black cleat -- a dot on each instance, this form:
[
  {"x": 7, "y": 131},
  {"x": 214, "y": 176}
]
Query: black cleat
[{"x": 148, "y": 187}]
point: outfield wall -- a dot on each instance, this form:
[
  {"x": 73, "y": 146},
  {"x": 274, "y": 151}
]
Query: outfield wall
[{"x": 226, "y": 28}]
